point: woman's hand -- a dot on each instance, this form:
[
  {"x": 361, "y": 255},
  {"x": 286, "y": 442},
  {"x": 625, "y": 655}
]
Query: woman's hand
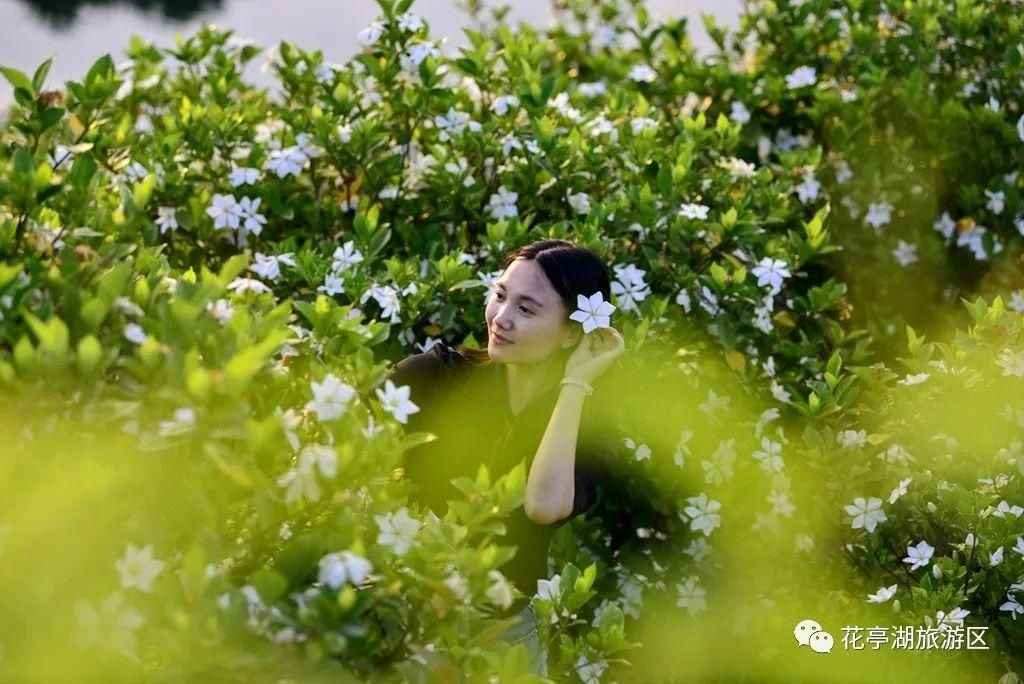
[{"x": 595, "y": 353}]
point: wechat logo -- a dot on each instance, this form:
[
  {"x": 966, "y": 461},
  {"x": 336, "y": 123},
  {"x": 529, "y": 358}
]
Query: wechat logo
[{"x": 810, "y": 633}]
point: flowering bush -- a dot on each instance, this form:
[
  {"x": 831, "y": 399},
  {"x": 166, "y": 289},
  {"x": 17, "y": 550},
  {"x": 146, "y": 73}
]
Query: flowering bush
[{"x": 204, "y": 283}]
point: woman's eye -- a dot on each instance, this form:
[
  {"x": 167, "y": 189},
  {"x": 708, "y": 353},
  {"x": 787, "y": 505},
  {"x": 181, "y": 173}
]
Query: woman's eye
[{"x": 525, "y": 310}]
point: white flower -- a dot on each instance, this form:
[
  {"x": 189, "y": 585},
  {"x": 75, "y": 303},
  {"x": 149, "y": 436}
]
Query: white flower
[
  {"x": 900, "y": 490},
  {"x": 332, "y": 285},
  {"x": 879, "y": 214},
  {"x": 694, "y": 211},
  {"x": 1013, "y": 606},
  {"x": 1012, "y": 363},
  {"x": 683, "y": 300},
  {"x": 905, "y": 253},
  {"x": 269, "y": 267},
  {"x": 454, "y": 123},
  {"x": 500, "y": 591},
  {"x": 866, "y": 514},
  {"x": 642, "y": 73},
  {"x": 243, "y": 176},
  {"x": 593, "y": 312},
  {"x": 640, "y": 124},
  {"x": 133, "y": 332},
  {"x": 740, "y": 114},
  {"x": 503, "y": 103},
  {"x": 1016, "y": 302},
  {"x": 372, "y": 33},
  {"x": 221, "y": 310},
  {"x": 918, "y": 556},
  {"x": 629, "y": 293},
  {"x": 224, "y": 211},
  {"x": 1019, "y": 546},
  {"x": 343, "y": 567},
  {"x": 703, "y": 514},
  {"x": 642, "y": 452},
  {"x": 330, "y": 398},
  {"x": 387, "y": 298},
  {"x": 738, "y": 168},
  {"x": 996, "y": 201},
  {"x": 138, "y": 568},
  {"x": 996, "y": 557},
  {"x": 911, "y": 380},
  {"x": 800, "y": 77},
  {"x": 945, "y": 225},
  {"x": 580, "y": 202},
  {"x": 183, "y": 419},
  {"x": 955, "y": 617},
  {"x": 770, "y": 458},
  {"x": 592, "y": 90},
  {"x": 242, "y": 285},
  {"x": 254, "y": 221},
  {"x": 397, "y": 530},
  {"x": 1004, "y": 508},
  {"x": 883, "y": 594},
  {"x": 395, "y": 400},
  {"x": 167, "y": 219},
  {"x": 111, "y": 627},
  {"x": 415, "y": 54},
  {"x": 589, "y": 672},
  {"x": 290, "y": 160},
  {"x": 345, "y": 257},
  {"x": 549, "y": 589},
  {"x": 136, "y": 171},
  {"x": 808, "y": 190},
  {"x": 410, "y": 22},
  {"x": 1020, "y": 127},
  {"x": 691, "y": 596},
  {"x": 503, "y": 204},
  {"x": 771, "y": 272},
  {"x": 843, "y": 171}
]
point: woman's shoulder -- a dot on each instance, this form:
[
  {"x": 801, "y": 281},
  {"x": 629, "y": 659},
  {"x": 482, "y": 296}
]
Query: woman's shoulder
[{"x": 438, "y": 361}]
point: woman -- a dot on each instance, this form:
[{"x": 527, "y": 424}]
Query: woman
[{"x": 524, "y": 399}]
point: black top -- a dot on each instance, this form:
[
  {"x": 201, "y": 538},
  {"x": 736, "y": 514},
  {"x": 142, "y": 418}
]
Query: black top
[{"x": 466, "y": 405}]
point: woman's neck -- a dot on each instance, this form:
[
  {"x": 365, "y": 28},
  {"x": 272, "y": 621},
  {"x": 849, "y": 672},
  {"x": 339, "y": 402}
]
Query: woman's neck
[{"x": 528, "y": 381}]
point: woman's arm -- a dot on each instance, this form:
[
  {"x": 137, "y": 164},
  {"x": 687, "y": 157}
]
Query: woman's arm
[{"x": 550, "y": 485}]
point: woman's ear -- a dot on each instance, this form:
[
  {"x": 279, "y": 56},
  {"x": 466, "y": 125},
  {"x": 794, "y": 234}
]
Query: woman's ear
[{"x": 573, "y": 338}]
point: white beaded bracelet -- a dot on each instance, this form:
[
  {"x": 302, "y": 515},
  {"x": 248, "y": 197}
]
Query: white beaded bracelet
[{"x": 579, "y": 382}]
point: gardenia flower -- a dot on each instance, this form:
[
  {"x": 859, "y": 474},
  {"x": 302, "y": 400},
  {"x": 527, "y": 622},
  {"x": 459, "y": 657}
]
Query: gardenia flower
[
  {"x": 138, "y": 568},
  {"x": 410, "y": 22},
  {"x": 1011, "y": 362},
  {"x": 955, "y": 617},
  {"x": 330, "y": 398},
  {"x": 694, "y": 211},
  {"x": 243, "y": 176},
  {"x": 454, "y": 123},
  {"x": 593, "y": 312},
  {"x": 883, "y": 594},
  {"x": 918, "y": 556},
  {"x": 996, "y": 557},
  {"x": 879, "y": 214},
  {"x": 900, "y": 490},
  {"x": 905, "y": 253},
  {"x": 397, "y": 530},
  {"x": 341, "y": 567},
  {"x": 503, "y": 204},
  {"x": 221, "y": 310},
  {"x": 771, "y": 272},
  {"x": 415, "y": 54},
  {"x": 770, "y": 458},
  {"x": 136, "y": 171},
  {"x": 808, "y": 190},
  {"x": 866, "y": 514},
  {"x": 640, "y": 124},
  {"x": 300, "y": 482},
  {"x": 290, "y": 160},
  {"x": 395, "y": 400},
  {"x": 592, "y": 90},
  {"x": 589, "y": 672},
  {"x": 166, "y": 219},
  {"x": 500, "y": 591},
  {"x": 225, "y": 212},
  {"x": 269, "y": 267},
  {"x": 703, "y": 514},
  {"x": 629, "y": 292},
  {"x": 740, "y": 114},
  {"x": 737, "y": 168},
  {"x": 691, "y": 596},
  {"x": 642, "y": 73},
  {"x": 800, "y": 77},
  {"x": 1003, "y": 508},
  {"x": 580, "y": 202}
]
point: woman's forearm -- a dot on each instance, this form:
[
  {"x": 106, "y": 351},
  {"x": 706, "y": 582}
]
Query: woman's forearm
[{"x": 550, "y": 485}]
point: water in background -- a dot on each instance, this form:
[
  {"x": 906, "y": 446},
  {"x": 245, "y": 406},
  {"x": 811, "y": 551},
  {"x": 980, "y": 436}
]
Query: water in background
[{"x": 80, "y": 31}]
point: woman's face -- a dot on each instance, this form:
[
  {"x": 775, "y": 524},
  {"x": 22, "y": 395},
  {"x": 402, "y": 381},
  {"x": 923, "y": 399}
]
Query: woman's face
[{"x": 525, "y": 310}]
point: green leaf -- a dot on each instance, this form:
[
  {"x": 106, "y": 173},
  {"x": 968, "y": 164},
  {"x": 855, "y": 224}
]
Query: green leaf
[
  {"x": 270, "y": 584},
  {"x": 17, "y": 79},
  {"x": 39, "y": 78}
]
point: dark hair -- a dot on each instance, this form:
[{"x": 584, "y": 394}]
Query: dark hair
[{"x": 572, "y": 270}]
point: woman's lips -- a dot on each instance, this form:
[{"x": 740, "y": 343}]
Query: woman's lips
[{"x": 498, "y": 339}]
